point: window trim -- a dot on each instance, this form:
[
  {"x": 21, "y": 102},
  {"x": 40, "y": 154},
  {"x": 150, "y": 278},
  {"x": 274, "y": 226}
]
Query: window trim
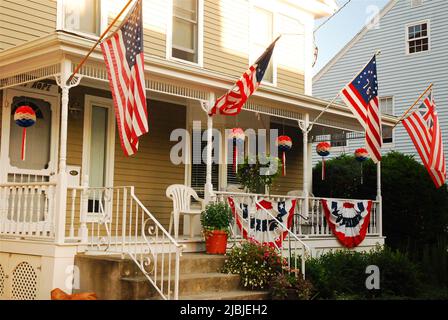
[
  {"x": 60, "y": 20},
  {"x": 251, "y": 57},
  {"x": 393, "y": 112},
  {"x": 427, "y": 21},
  {"x": 169, "y": 36}
]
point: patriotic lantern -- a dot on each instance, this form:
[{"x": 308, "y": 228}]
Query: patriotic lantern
[
  {"x": 284, "y": 143},
  {"x": 323, "y": 149},
  {"x": 361, "y": 155},
  {"x": 25, "y": 117},
  {"x": 237, "y": 135}
]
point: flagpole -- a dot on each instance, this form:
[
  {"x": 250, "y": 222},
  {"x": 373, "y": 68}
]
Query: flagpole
[
  {"x": 324, "y": 110},
  {"x": 413, "y": 105},
  {"x": 98, "y": 41}
]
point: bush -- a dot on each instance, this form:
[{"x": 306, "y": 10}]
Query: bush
[
  {"x": 342, "y": 274},
  {"x": 217, "y": 216},
  {"x": 256, "y": 264},
  {"x": 291, "y": 286},
  {"x": 251, "y": 176}
]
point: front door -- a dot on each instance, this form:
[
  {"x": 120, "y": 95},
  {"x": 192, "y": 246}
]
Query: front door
[{"x": 98, "y": 155}]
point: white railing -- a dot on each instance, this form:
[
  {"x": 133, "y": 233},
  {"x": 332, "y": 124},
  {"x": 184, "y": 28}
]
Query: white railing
[
  {"x": 292, "y": 248},
  {"x": 113, "y": 220},
  {"x": 27, "y": 210},
  {"x": 314, "y": 224}
]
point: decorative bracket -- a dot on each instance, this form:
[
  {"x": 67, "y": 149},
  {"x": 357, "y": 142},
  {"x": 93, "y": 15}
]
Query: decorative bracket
[{"x": 73, "y": 83}]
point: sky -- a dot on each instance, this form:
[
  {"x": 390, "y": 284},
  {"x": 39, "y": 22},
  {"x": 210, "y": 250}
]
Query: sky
[{"x": 340, "y": 29}]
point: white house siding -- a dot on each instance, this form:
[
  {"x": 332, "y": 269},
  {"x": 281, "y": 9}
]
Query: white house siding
[{"x": 400, "y": 75}]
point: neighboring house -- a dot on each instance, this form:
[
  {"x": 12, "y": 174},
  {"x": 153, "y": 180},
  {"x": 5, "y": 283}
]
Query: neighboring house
[
  {"x": 412, "y": 37},
  {"x": 77, "y": 192}
]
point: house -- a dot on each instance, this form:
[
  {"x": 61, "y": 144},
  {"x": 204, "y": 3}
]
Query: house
[
  {"x": 75, "y": 192},
  {"x": 411, "y": 37}
]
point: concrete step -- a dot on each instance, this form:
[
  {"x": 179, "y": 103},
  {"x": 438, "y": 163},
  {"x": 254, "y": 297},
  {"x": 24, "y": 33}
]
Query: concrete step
[{"x": 228, "y": 295}]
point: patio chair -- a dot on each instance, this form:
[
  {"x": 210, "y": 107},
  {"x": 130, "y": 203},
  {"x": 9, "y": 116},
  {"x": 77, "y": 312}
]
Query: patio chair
[{"x": 181, "y": 197}]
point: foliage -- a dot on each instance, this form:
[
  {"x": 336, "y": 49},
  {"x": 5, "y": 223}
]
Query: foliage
[
  {"x": 414, "y": 211},
  {"x": 256, "y": 264},
  {"x": 217, "y": 216},
  {"x": 283, "y": 284},
  {"x": 256, "y": 172},
  {"x": 342, "y": 274}
]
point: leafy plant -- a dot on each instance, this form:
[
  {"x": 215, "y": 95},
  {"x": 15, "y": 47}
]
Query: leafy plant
[
  {"x": 257, "y": 172},
  {"x": 291, "y": 286},
  {"x": 256, "y": 264},
  {"x": 216, "y": 216}
]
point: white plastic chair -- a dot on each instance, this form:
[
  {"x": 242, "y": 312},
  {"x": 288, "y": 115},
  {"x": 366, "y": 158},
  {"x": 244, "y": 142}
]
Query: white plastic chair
[{"x": 181, "y": 196}]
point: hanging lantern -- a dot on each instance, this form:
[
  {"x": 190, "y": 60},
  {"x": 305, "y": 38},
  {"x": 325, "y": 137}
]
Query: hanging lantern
[
  {"x": 361, "y": 155},
  {"x": 323, "y": 149},
  {"x": 284, "y": 143},
  {"x": 25, "y": 117},
  {"x": 237, "y": 135}
]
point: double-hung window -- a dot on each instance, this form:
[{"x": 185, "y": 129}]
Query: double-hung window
[
  {"x": 82, "y": 16},
  {"x": 417, "y": 37},
  {"x": 387, "y": 107},
  {"x": 185, "y": 30},
  {"x": 262, "y": 36}
]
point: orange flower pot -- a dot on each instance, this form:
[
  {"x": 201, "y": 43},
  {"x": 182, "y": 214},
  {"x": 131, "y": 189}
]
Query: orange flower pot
[{"x": 216, "y": 242}]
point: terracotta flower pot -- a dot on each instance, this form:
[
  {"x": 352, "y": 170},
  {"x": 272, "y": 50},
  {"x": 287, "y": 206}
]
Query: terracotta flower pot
[{"x": 216, "y": 242}]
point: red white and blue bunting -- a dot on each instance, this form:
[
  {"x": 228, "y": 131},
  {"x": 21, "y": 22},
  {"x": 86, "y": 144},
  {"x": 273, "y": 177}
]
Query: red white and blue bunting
[
  {"x": 256, "y": 224},
  {"x": 348, "y": 220}
]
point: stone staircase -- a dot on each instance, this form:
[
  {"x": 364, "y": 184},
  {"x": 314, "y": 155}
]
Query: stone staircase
[{"x": 112, "y": 277}]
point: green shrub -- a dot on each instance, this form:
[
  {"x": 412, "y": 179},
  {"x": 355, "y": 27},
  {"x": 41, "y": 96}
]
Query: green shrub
[
  {"x": 256, "y": 264},
  {"x": 342, "y": 274},
  {"x": 291, "y": 286},
  {"x": 217, "y": 216},
  {"x": 250, "y": 172}
]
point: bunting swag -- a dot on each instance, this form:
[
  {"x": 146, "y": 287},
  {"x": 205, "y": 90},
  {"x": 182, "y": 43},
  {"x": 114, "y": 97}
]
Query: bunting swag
[
  {"x": 263, "y": 228},
  {"x": 348, "y": 220}
]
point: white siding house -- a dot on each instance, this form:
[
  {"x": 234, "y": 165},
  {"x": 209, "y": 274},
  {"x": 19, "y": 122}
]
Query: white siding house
[{"x": 413, "y": 39}]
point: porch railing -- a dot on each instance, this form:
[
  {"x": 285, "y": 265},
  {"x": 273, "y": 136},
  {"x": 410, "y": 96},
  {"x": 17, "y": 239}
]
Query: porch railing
[
  {"x": 114, "y": 220},
  {"x": 27, "y": 210}
]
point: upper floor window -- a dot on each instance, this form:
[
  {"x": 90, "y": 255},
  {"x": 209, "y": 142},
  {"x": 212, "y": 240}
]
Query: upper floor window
[
  {"x": 82, "y": 16},
  {"x": 185, "y": 30},
  {"x": 261, "y": 37},
  {"x": 418, "y": 37}
]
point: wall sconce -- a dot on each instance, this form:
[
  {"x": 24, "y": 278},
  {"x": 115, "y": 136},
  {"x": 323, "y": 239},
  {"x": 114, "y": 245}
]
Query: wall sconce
[{"x": 74, "y": 109}]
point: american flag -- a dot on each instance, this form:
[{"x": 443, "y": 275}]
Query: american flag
[
  {"x": 231, "y": 103},
  {"x": 361, "y": 95},
  {"x": 123, "y": 54},
  {"x": 423, "y": 128}
]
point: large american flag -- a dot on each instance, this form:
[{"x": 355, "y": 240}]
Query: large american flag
[
  {"x": 231, "y": 103},
  {"x": 123, "y": 54},
  {"x": 423, "y": 128},
  {"x": 361, "y": 95}
]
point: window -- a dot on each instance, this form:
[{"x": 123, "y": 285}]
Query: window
[
  {"x": 185, "y": 30},
  {"x": 199, "y": 170},
  {"x": 387, "y": 107},
  {"x": 82, "y": 16},
  {"x": 418, "y": 37},
  {"x": 262, "y": 37},
  {"x": 338, "y": 139}
]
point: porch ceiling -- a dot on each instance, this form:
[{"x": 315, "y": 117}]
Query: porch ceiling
[{"x": 41, "y": 58}]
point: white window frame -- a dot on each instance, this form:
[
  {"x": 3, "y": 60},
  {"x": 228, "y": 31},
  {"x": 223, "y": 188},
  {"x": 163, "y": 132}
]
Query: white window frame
[
  {"x": 408, "y": 40},
  {"x": 60, "y": 20},
  {"x": 393, "y": 112},
  {"x": 169, "y": 36},
  {"x": 268, "y": 6}
]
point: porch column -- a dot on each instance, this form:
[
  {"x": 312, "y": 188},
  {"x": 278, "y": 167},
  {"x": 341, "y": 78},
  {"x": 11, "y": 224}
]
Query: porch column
[
  {"x": 208, "y": 188},
  {"x": 304, "y": 124},
  {"x": 61, "y": 188},
  {"x": 379, "y": 198}
]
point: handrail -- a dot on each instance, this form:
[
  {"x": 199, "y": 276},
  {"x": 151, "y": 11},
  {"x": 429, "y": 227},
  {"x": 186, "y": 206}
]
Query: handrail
[{"x": 27, "y": 184}]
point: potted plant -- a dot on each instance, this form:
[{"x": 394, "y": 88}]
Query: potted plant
[
  {"x": 258, "y": 172},
  {"x": 215, "y": 220}
]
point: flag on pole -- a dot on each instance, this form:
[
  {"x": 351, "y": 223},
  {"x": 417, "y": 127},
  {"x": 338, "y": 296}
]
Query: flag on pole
[
  {"x": 361, "y": 96},
  {"x": 123, "y": 54},
  {"x": 231, "y": 103},
  {"x": 424, "y": 129}
]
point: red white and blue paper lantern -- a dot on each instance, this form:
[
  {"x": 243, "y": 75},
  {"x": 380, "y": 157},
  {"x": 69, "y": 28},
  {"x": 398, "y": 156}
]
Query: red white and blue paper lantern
[
  {"x": 25, "y": 117},
  {"x": 323, "y": 149},
  {"x": 284, "y": 143},
  {"x": 238, "y": 136},
  {"x": 361, "y": 155}
]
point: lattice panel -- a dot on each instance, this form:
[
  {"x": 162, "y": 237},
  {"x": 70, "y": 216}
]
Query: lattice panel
[
  {"x": 24, "y": 282},
  {"x": 2, "y": 281}
]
